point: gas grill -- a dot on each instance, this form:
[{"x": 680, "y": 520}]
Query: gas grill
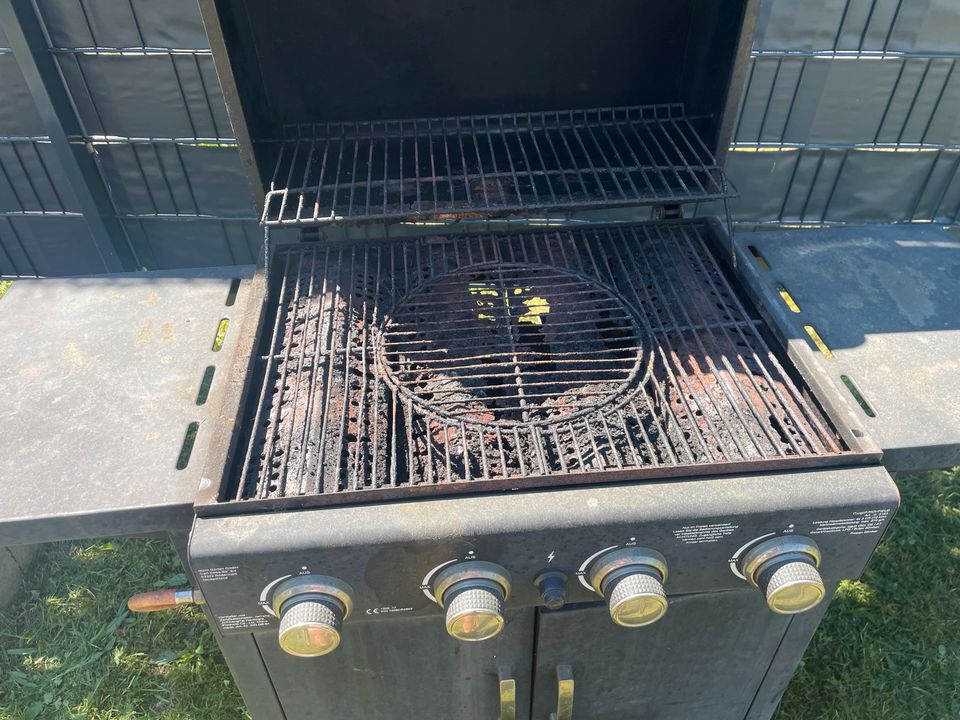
[{"x": 504, "y": 386}]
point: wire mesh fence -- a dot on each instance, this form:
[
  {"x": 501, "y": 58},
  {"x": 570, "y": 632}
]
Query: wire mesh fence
[{"x": 851, "y": 114}]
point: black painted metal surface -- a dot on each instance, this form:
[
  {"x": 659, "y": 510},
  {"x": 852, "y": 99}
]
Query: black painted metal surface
[
  {"x": 385, "y": 553},
  {"x": 102, "y": 378},
  {"x": 887, "y": 316}
]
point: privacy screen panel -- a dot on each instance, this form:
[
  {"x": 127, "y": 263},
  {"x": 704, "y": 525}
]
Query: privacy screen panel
[{"x": 851, "y": 114}]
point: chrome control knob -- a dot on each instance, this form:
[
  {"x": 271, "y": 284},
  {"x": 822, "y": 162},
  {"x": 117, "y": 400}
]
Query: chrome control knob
[
  {"x": 311, "y": 609},
  {"x": 785, "y": 570},
  {"x": 473, "y": 594},
  {"x": 631, "y": 580},
  {"x": 310, "y": 628}
]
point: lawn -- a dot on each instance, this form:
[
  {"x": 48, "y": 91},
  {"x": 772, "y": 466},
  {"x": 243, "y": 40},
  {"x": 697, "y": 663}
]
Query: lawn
[{"x": 888, "y": 649}]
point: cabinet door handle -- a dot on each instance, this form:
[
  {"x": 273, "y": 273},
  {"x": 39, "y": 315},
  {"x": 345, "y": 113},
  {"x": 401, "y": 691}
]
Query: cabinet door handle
[
  {"x": 508, "y": 696},
  {"x": 564, "y": 694}
]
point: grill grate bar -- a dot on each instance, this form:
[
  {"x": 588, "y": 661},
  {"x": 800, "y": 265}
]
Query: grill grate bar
[
  {"x": 765, "y": 431},
  {"x": 721, "y": 400},
  {"x": 823, "y": 438},
  {"x": 299, "y": 376},
  {"x": 600, "y": 349},
  {"x": 671, "y": 362},
  {"x": 446, "y": 168}
]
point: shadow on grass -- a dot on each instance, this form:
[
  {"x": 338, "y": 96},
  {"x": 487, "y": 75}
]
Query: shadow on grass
[{"x": 889, "y": 646}]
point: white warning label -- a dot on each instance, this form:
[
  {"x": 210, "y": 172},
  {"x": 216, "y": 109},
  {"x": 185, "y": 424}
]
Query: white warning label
[
  {"x": 696, "y": 534},
  {"x": 237, "y": 622},
  {"x": 218, "y": 573},
  {"x": 865, "y": 522}
]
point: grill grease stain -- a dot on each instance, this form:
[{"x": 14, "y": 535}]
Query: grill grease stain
[
  {"x": 187, "y": 448},
  {"x": 205, "y": 384},
  {"x": 221, "y": 334}
]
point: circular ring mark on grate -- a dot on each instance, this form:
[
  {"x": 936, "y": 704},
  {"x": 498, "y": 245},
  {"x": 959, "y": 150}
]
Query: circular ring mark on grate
[{"x": 512, "y": 344}]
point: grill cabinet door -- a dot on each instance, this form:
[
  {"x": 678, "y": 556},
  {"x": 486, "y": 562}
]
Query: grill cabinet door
[
  {"x": 404, "y": 669},
  {"x": 704, "y": 660}
]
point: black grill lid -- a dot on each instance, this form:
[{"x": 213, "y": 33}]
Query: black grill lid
[{"x": 637, "y": 99}]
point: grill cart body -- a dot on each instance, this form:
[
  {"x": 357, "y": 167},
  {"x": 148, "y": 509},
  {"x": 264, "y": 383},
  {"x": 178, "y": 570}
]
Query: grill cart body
[{"x": 498, "y": 379}]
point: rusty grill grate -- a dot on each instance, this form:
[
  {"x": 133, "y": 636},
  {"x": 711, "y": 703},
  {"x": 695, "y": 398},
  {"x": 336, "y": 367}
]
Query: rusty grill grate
[
  {"x": 445, "y": 168},
  {"x": 457, "y": 363},
  {"x": 511, "y": 345}
]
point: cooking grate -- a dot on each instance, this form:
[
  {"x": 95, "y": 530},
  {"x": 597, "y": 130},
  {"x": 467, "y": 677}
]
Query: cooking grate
[
  {"x": 458, "y": 363},
  {"x": 515, "y": 344},
  {"x": 444, "y": 168}
]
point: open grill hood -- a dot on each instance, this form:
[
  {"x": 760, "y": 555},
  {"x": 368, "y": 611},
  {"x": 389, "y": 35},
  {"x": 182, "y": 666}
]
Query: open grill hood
[{"x": 387, "y": 110}]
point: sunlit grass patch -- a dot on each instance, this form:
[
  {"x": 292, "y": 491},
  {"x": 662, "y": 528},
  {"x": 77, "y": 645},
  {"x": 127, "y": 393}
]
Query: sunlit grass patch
[
  {"x": 70, "y": 649},
  {"x": 889, "y": 647}
]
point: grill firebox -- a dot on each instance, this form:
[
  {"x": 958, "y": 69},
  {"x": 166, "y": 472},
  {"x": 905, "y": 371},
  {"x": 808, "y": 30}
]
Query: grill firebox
[{"x": 489, "y": 361}]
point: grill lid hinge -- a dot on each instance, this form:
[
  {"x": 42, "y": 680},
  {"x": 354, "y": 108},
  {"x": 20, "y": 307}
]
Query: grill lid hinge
[{"x": 668, "y": 212}]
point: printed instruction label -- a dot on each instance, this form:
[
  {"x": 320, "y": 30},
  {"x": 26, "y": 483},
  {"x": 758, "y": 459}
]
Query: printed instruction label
[
  {"x": 219, "y": 573},
  {"x": 696, "y": 534},
  {"x": 387, "y": 610},
  {"x": 237, "y": 622},
  {"x": 865, "y": 522}
]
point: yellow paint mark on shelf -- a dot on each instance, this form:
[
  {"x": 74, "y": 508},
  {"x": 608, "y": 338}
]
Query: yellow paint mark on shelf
[
  {"x": 818, "y": 341},
  {"x": 788, "y": 299},
  {"x": 221, "y": 334}
]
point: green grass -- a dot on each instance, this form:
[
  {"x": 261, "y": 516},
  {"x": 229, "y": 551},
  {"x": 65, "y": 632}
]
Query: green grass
[
  {"x": 888, "y": 649},
  {"x": 70, "y": 649}
]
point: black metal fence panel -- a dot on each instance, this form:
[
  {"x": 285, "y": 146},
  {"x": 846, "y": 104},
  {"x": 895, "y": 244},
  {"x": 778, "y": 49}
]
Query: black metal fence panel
[
  {"x": 851, "y": 114},
  {"x": 146, "y": 95},
  {"x": 179, "y": 179},
  {"x": 46, "y": 245},
  {"x": 124, "y": 23},
  {"x": 170, "y": 244},
  {"x": 31, "y": 180},
  {"x": 900, "y": 100},
  {"x": 18, "y": 115},
  {"x": 827, "y": 185},
  {"x": 858, "y": 25}
]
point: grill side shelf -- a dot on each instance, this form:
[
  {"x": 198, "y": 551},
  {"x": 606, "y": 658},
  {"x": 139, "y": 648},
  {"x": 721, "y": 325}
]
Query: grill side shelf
[{"x": 473, "y": 167}]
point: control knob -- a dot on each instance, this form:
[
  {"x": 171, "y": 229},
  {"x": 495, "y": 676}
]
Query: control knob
[
  {"x": 785, "y": 569},
  {"x": 311, "y": 609},
  {"x": 473, "y": 594},
  {"x": 631, "y": 580}
]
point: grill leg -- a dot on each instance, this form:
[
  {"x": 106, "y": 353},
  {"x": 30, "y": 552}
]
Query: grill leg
[{"x": 241, "y": 653}]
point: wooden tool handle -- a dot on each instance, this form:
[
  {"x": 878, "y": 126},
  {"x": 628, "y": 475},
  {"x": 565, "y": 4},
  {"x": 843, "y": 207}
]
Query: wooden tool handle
[{"x": 160, "y": 600}]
